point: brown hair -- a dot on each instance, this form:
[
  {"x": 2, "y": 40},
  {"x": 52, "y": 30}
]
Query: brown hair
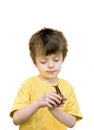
[{"x": 47, "y": 41}]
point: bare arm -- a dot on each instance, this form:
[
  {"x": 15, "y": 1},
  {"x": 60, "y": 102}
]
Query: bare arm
[
  {"x": 60, "y": 115},
  {"x": 25, "y": 113},
  {"x": 49, "y": 100},
  {"x": 63, "y": 117}
]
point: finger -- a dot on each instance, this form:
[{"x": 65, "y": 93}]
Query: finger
[
  {"x": 63, "y": 101},
  {"x": 52, "y": 101}
]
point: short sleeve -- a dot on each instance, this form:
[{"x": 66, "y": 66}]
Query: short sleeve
[
  {"x": 22, "y": 98},
  {"x": 72, "y": 106}
]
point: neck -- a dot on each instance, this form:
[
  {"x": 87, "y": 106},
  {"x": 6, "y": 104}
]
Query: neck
[{"x": 49, "y": 80}]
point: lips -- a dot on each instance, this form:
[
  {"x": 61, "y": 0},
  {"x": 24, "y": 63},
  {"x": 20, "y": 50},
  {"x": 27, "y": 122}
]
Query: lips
[{"x": 51, "y": 72}]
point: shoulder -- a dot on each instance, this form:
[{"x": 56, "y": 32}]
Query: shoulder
[
  {"x": 65, "y": 83},
  {"x": 29, "y": 82},
  {"x": 66, "y": 86},
  {"x": 30, "y": 79}
]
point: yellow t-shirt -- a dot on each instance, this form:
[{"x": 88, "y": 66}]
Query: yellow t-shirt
[{"x": 32, "y": 89}]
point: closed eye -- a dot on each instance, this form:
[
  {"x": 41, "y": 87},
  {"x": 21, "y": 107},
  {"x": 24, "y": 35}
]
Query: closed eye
[
  {"x": 56, "y": 59},
  {"x": 43, "y": 62}
]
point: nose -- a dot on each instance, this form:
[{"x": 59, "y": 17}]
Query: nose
[{"x": 50, "y": 64}]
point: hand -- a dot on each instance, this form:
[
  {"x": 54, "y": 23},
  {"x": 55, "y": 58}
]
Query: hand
[
  {"x": 50, "y": 100},
  {"x": 63, "y": 102}
]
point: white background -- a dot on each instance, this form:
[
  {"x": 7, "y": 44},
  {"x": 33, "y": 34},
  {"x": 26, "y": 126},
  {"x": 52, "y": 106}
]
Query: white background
[{"x": 19, "y": 19}]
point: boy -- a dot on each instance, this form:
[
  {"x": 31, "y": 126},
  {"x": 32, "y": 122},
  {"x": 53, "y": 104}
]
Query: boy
[{"x": 46, "y": 102}]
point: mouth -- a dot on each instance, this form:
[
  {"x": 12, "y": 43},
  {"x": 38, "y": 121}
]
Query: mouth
[{"x": 51, "y": 72}]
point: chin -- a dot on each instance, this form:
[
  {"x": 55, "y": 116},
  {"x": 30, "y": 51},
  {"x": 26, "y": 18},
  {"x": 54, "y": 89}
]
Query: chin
[{"x": 52, "y": 77}]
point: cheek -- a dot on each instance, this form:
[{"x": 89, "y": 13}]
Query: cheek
[
  {"x": 59, "y": 66},
  {"x": 41, "y": 67}
]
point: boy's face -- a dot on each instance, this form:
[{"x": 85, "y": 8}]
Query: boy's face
[{"x": 49, "y": 66}]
